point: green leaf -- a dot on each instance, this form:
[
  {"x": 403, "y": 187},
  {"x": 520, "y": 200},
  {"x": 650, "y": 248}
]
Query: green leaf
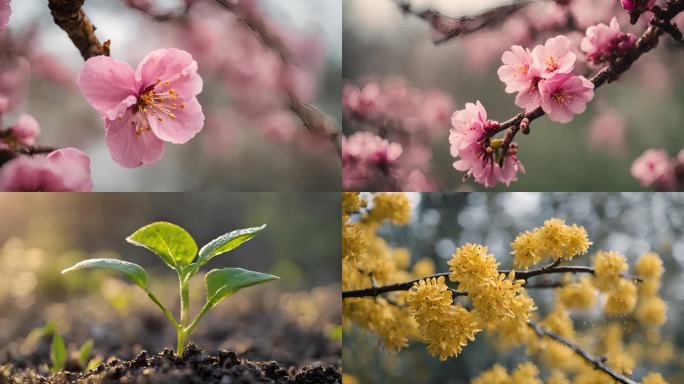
[
  {"x": 58, "y": 352},
  {"x": 93, "y": 363},
  {"x": 226, "y": 243},
  {"x": 170, "y": 242},
  {"x": 133, "y": 271},
  {"x": 222, "y": 283},
  {"x": 84, "y": 352}
]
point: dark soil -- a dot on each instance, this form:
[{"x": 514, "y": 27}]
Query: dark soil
[
  {"x": 193, "y": 367},
  {"x": 260, "y": 337}
]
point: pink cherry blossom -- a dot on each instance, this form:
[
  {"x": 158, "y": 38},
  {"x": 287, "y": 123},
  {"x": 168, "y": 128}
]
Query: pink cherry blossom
[
  {"x": 516, "y": 69},
  {"x": 554, "y": 57},
  {"x": 470, "y": 144},
  {"x": 607, "y": 131},
  {"x": 5, "y": 12},
  {"x": 24, "y": 131},
  {"x": 604, "y": 43},
  {"x": 64, "y": 170},
  {"x": 363, "y": 101},
  {"x": 364, "y": 155},
  {"x": 564, "y": 96},
  {"x": 143, "y": 108},
  {"x": 654, "y": 168},
  {"x": 467, "y": 127},
  {"x": 529, "y": 98}
]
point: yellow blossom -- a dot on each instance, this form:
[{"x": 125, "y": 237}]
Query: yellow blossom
[
  {"x": 402, "y": 257},
  {"x": 394, "y": 207},
  {"x": 649, "y": 266},
  {"x": 622, "y": 299},
  {"x": 557, "y": 377},
  {"x": 350, "y": 202},
  {"x": 471, "y": 266},
  {"x": 348, "y": 379},
  {"x": 652, "y": 312},
  {"x": 653, "y": 378},
  {"x": 424, "y": 267},
  {"x": 494, "y": 375},
  {"x": 527, "y": 249},
  {"x": 354, "y": 241},
  {"x": 578, "y": 295},
  {"x": 444, "y": 327},
  {"x": 608, "y": 267},
  {"x": 526, "y": 373}
]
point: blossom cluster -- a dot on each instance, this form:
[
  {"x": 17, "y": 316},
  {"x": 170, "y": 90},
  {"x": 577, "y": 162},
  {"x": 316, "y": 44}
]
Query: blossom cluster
[
  {"x": 410, "y": 119},
  {"x": 655, "y": 169},
  {"x": 555, "y": 240},
  {"x": 432, "y": 312},
  {"x": 603, "y": 44},
  {"x": 485, "y": 159},
  {"x": 543, "y": 77}
]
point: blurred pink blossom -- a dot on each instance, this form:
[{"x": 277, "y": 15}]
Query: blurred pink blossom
[
  {"x": 608, "y": 131},
  {"x": 365, "y": 154},
  {"x": 565, "y": 95},
  {"x": 64, "y": 170},
  {"x": 143, "y": 108},
  {"x": 5, "y": 12},
  {"x": 23, "y": 132},
  {"x": 604, "y": 43},
  {"x": 15, "y": 73},
  {"x": 654, "y": 168}
]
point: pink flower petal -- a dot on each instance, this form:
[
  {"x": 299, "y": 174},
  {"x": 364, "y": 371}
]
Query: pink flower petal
[
  {"x": 64, "y": 170},
  {"x": 109, "y": 85},
  {"x": 26, "y": 129},
  {"x": 174, "y": 66},
  {"x": 187, "y": 123},
  {"x": 128, "y": 148}
]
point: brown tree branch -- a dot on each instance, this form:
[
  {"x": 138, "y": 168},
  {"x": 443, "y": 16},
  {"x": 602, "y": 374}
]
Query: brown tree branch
[
  {"x": 550, "y": 269},
  {"x": 645, "y": 43},
  {"x": 314, "y": 119},
  {"x": 69, "y": 16},
  {"x": 452, "y": 27},
  {"x": 594, "y": 361}
]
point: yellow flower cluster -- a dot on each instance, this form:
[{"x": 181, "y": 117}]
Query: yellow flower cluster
[
  {"x": 555, "y": 240},
  {"x": 446, "y": 328},
  {"x": 500, "y": 301},
  {"x": 366, "y": 258},
  {"x": 578, "y": 295},
  {"x": 608, "y": 266},
  {"x": 394, "y": 207},
  {"x": 652, "y": 310},
  {"x": 621, "y": 299},
  {"x": 653, "y": 378},
  {"x": 525, "y": 373}
]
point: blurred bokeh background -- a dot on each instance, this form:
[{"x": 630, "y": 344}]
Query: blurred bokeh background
[
  {"x": 243, "y": 122},
  {"x": 592, "y": 153},
  {"x": 293, "y": 320},
  {"x": 630, "y": 223}
]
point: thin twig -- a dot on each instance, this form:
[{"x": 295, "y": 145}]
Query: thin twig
[
  {"x": 452, "y": 27},
  {"x": 594, "y": 361},
  {"x": 314, "y": 119}
]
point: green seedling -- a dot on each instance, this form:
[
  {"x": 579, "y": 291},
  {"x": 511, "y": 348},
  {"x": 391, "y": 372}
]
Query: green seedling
[
  {"x": 178, "y": 250},
  {"x": 58, "y": 349}
]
